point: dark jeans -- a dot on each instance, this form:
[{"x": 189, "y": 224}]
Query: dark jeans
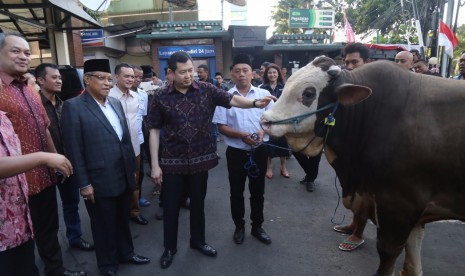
[
  {"x": 215, "y": 134},
  {"x": 109, "y": 220},
  {"x": 174, "y": 190},
  {"x": 236, "y": 159},
  {"x": 69, "y": 194},
  {"x": 18, "y": 261},
  {"x": 310, "y": 165},
  {"x": 44, "y": 215}
]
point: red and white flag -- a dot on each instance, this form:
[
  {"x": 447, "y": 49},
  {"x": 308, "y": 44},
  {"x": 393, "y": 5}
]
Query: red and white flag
[
  {"x": 350, "y": 35},
  {"x": 447, "y": 38}
]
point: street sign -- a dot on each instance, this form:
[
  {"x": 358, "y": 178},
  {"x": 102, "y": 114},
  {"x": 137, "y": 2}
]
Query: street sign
[
  {"x": 92, "y": 38},
  {"x": 313, "y": 19}
]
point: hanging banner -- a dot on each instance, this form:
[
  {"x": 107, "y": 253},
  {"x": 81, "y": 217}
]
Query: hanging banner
[{"x": 313, "y": 19}]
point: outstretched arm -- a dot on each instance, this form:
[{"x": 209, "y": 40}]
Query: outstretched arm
[
  {"x": 13, "y": 165},
  {"x": 244, "y": 102}
]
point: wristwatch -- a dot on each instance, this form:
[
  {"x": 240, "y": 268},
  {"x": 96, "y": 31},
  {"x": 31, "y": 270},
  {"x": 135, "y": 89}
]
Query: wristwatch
[{"x": 254, "y": 101}]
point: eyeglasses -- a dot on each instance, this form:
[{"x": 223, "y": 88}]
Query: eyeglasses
[{"x": 101, "y": 78}]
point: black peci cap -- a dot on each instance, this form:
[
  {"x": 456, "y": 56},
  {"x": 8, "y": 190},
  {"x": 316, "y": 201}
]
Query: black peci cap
[
  {"x": 93, "y": 65},
  {"x": 241, "y": 59}
]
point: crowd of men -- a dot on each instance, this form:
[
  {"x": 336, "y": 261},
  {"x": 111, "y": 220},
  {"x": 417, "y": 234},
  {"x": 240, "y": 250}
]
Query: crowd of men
[{"x": 91, "y": 147}]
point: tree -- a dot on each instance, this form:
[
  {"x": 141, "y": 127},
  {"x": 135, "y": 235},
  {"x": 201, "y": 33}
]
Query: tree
[
  {"x": 460, "y": 48},
  {"x": 388, "y": 17}
]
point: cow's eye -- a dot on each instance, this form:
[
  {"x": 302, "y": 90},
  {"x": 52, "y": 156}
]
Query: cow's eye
[{"x": 309, "y": 94}]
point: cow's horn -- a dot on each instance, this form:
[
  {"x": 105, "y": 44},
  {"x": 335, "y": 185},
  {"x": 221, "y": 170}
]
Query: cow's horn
[{"x": 334, "y": 71}]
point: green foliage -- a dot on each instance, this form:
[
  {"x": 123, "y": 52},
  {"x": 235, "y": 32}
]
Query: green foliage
[
  {"x": 460, "y": 48},
  {"x": 387, "y": 16},
  {"x": 397, "y": 37},
  {"x": 94, "y": 14}
]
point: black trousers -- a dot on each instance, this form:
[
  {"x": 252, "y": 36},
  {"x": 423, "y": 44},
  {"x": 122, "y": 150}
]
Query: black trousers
[
  {"x": 44, "y": 216},
  {"x": 18, "y": 261},
  {"x": 310, "y": 165},
  {"x": 236, "y": 159},
  {"x": 109, "y": 221},
  {"x": 174, "y": 190}
]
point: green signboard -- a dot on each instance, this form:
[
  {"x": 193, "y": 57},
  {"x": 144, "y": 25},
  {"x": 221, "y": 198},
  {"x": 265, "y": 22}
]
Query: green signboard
[{"x": 314, "y": 19}]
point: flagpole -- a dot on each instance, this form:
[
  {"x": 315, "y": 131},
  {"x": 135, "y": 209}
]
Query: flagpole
[{"x": 445, "y": 58}]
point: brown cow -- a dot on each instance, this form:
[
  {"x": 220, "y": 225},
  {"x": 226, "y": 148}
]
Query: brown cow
[{"x": 397, "y": 146}]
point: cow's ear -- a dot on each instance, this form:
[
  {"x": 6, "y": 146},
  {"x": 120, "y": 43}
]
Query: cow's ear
[{"x": 350, "y": 94}]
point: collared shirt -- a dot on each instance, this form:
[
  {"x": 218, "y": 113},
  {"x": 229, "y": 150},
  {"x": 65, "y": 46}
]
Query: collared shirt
[
  {"x": 15, "y": 220},
  {"x": 54, "y": 115},
  {"x": 143, "y": 106},
  {"x": 130, "y": 103},
  {"x": 277, "y": 91},
  {"x": 247, "y": 120},
  {"x": 25, "y": 110},
  {"x": 112, "y": 117},
  {"x": 186, "y": 122}
]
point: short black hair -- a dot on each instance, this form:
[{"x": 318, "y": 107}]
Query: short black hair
[
  {"x": 357, "y": 48},
  {"x": 421, "y": 61},
  {"x": 121, "y": 65},
  {"x": 204, "y": 67},
  {"x": 265, "y": 64},
  {"x": 41, "y": 70},
  {"x": 181, "y": 57},
  {"x": 218, "y": 74}
]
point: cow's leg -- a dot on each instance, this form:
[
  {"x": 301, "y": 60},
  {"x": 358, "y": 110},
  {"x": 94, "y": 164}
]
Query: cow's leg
[
  {"x": 391, "y": 239},
  {"x": 412, "y": 262}
]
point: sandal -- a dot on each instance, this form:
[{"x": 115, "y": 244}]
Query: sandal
[
  {"x": 350, "y": 246},
  {"x": 344, "y": 229},
  {"x": 144, "y": 202},
  {"x": 285, "y": 175}
]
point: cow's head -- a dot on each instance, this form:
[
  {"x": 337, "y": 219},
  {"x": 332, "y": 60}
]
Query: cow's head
[{"x": 315, "y": 85}]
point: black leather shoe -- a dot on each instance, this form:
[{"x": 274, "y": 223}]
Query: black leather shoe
[
  {"x": 206, "y": 249},
  {"x": 261, "y": 235},
  {"x": 167, "y": 258},
  {"x": 138, "y": 260},
  {"x": 140, "y": 220},
  {"x": 310, "y": 186},
  {"x": 82, "y": 245},
  {"x": 108, "y": 273},
  {"x": 74, "y": 273},
  {"x": 238, "y": 236}
]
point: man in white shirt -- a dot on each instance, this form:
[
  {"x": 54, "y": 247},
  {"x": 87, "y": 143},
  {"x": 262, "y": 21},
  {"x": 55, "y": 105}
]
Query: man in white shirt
[
  {"x": 243, "y": 135},
  {"x": 124, "y": 77}
]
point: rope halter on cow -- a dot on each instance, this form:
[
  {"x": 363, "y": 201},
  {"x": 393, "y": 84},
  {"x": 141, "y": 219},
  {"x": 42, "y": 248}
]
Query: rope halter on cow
[
  {"x": 328, "y": 121},
  {"x": 297, "y": 119}
]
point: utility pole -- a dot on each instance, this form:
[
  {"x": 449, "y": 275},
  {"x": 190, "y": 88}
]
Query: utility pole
[{"x": 445, "y": 58}]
